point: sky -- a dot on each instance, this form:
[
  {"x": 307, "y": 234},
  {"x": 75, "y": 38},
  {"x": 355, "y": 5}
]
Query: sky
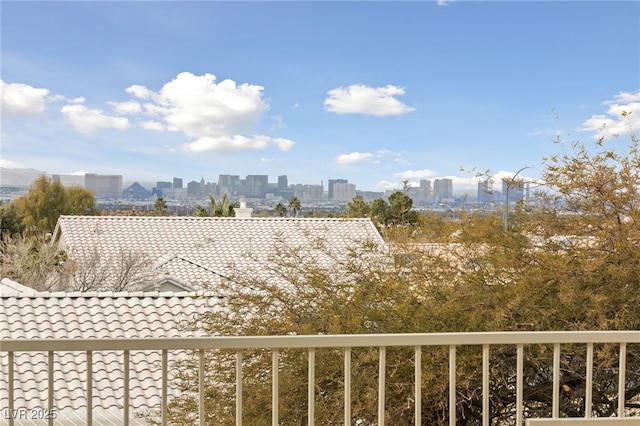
[{"x": 373, "y": 92}]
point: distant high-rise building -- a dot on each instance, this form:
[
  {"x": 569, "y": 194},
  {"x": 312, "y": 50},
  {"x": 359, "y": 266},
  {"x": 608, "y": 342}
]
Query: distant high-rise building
[
  {"x": 194, "y": 188},
  {"x": 331, "y": 183},
  {"x": 512, "y": 190},
  {"x": 283, "y": 182},
  {"x": 160, "y": 186},
  {"x": 420, "y": 195},
  {"x": 177, "y": 183},
  {"x": 343, "y": 191},
  {"x": 256, "y": 185},
  {"x": 485, "y": 191},
  {"x": 103, "y": 186},
  {"x": 228, "y": 184},
  {"x": 370, "y": 195},
  {"x": 443, "y": 188},
  {"x": 308, "y": 192}
]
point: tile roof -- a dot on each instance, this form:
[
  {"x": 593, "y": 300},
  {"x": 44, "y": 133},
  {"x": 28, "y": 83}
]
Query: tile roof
[
  {"x": 94, "y": 316},
  {"x": 12, "y": 288},
  {"x": 200, "y": 251}
]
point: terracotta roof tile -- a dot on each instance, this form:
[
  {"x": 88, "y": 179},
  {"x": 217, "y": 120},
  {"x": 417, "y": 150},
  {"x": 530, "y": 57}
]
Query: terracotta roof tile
[
  {"x": 98, "y": 315},
  {"x": 202, "y": 251}
]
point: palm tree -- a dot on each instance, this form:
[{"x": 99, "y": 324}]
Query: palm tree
[
  {"x": 281, "y": 210},
  {"x": 294, "y": 205},
  {"x": 224, "y": 209}
]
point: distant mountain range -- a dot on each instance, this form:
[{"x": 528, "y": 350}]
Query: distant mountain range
[
  {"x": 23, "y": 178},
  {"x": 19, "y": 178}
]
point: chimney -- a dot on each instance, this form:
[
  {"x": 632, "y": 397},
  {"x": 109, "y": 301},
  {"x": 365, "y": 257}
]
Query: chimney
[{"x": 243, "y": 212}]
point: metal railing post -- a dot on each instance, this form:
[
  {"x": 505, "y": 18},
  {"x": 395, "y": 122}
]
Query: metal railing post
[
  {"x": 485, "y": 385},
  {"x": 519, "y": 383},
  {"x": 125, "y": 404},
  {"x": 89, "y": 388},
  {"x": 417, "y": 409},
  {"x": 239, "y": 388},
  {"x": 588, "y": 395},
  {"x": 274, "y": 388},
  {"x": 452, "y": 385},
  {"x": 201, "y": 384},
  {"x": 381, "y": 384},
  {"x": 11, "y": 389},
  {"x": 165, "y": 392},
  {"x": 622, "y": 379},
  {"x": 347, "y": 386},
  {"x": 556, "y": 381},
  {"x": 311, "y": 379}
]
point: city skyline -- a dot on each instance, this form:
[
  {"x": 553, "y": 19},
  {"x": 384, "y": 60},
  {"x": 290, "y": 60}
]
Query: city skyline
[
  {"x": 12, "y": 178},
  {"x": 373, "y": 92}
]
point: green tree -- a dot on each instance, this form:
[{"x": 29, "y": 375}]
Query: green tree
[
  {"x": 281, "y": 210},
  {"x": 11, "y": 223},
  {"x": 160, "y": 206},
  {"x": 357, "y": 207},
  {"x": 399, "y": 211},
  {"x": 46, "y": 201},
  {"x": 222, "y": 209},
  {"x": 295, "y": 205},
  {"x": 378, "y": 211},
  {"x": 571, "y": 261}
]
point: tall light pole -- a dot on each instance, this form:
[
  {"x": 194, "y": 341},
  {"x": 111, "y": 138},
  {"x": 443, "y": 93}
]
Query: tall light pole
[{"x": 506, "y": 204}]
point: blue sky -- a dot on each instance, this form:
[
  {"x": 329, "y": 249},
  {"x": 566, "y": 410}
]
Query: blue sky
[{"x": 374, "y": 92}]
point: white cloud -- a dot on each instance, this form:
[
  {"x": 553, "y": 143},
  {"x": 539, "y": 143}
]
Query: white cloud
[
  {"x": 402, "y": 161},
  {"x": 283, "y": 144},
  {"x": 20, "y": 98},
  {"x": 217, "y": 115},
  {"x": 415, "y": 174},
  {"x": 418, "y": 175},
  {"x": 388, "y": 185},
  {"x": 354, "y": 157},
  {"x": 140, "y": 92},
  {"x": 360, "y": 99},
  {"x": 152, "y": 125},
  {"x": 497, "y": 177},
  {"x": 461, "y": 185},
  {"x": 622, "y": 117},
  {"x": 466, "y": 185},
  {"x": 236, "y": 143},
  {"x": 11, "y": 164},
  {"x": 87, "y": 121},
  {"x": 126, "y": 108},
  {"x": 77, "y": 173}
]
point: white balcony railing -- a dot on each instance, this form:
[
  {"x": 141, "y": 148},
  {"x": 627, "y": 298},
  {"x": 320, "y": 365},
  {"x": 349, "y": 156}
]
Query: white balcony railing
[{"x": 346, "y": 342}]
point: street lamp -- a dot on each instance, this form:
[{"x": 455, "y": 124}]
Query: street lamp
[{"x": 506, "y": 206}]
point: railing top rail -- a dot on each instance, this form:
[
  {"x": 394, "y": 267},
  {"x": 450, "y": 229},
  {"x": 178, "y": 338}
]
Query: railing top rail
[{"x": 322, "y": 341}]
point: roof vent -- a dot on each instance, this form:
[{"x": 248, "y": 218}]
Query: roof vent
[{"x": 243, "y": 212}]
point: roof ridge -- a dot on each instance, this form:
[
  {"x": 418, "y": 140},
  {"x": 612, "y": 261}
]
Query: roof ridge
[
  {"x": 203, "y": 218},
  {"x": 116, "y": 295}
]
